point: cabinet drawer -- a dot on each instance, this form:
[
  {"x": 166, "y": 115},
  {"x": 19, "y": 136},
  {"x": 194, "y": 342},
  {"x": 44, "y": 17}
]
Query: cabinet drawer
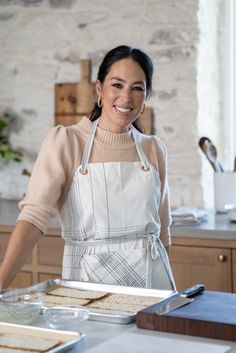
[{"x": 210, "y": 266}]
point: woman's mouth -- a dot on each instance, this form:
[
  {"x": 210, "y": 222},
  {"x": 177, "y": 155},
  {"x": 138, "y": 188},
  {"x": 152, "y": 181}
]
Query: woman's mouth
[{"x": 123, "y": 110}]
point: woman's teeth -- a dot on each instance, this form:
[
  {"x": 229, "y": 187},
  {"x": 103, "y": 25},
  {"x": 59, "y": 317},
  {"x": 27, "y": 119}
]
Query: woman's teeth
[{"x": 123, "y": 110}]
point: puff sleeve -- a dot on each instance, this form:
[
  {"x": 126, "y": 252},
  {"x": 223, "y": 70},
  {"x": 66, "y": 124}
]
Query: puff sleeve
[{"x": 51, "y": 177}]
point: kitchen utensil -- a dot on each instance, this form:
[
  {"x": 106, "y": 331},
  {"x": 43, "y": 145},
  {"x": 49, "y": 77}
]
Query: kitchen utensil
[
  {"x": 180, "y": 299},
  {"x": 210, "y": 151}
]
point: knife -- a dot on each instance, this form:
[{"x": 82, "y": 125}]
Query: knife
[{"x": 179, "y": 299}]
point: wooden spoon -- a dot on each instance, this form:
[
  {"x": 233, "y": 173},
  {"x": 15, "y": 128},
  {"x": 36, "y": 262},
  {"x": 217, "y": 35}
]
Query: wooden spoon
[{"x": 211, "y": 153}]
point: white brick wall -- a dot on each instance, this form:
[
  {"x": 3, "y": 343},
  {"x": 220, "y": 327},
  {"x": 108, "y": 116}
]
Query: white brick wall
[{"x": 42, "y": 42}]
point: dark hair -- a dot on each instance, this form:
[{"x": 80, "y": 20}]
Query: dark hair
[{"x": 119, "y": 53}]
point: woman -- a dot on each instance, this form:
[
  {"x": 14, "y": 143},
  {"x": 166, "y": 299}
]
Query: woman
[{"x": 107, "y": 182}]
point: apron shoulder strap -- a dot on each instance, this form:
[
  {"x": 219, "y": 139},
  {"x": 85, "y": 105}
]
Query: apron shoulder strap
[
  {"x": 138, "y": 142},
  {"x": 88, "y": 147}
]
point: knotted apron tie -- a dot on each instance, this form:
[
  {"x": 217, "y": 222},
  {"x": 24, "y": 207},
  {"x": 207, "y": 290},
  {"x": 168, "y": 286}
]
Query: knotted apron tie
[
  {"x": 152, "y": 244},
  {"x": 152, "y": 254}
]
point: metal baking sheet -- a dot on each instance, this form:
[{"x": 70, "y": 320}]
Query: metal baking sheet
[
  {"x": 122, "y": 318},
  {"x": 67, "y": 338}
]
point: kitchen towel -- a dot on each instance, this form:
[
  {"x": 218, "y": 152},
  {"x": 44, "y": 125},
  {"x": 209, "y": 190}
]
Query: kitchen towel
[{"x": 184, "y": 215}]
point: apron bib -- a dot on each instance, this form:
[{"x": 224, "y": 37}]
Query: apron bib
[{"x": 111, "y": 225}]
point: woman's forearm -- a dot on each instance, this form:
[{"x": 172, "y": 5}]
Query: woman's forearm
[{"x": 21, "y": 242}]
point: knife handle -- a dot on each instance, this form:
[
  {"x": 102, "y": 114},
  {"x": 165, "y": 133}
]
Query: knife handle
[{"x": 190, "y": 292}]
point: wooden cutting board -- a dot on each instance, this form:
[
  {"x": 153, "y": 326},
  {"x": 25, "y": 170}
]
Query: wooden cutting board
[
  {"x": 75, "y": 100},
  {"x": 211, "y": 314}
]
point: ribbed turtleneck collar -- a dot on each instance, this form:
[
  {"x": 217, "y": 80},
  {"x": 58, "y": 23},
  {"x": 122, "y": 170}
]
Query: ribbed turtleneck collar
[{"x": 108, "y": 138}]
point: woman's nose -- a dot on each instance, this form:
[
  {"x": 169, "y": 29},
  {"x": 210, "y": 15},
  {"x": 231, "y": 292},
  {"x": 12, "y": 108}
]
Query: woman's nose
[{"x": 126, "y": 95}]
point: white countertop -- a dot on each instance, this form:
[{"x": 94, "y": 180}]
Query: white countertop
[{"x": 127, "y": 338}]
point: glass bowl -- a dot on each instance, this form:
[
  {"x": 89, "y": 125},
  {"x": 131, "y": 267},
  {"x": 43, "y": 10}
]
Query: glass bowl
[
  {"x": 18, "y": 307},
  {"x": 66, "y": 318}
]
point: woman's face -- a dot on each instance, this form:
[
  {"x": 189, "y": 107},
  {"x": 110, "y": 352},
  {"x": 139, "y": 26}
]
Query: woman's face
[{"x": 123, "y": 93}]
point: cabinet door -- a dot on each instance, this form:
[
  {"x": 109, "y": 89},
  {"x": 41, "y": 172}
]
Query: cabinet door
[
  {"x": 234, "y": 269},
  {"x": 23, "y": 279},
  {"x": 210, "y": 266}
]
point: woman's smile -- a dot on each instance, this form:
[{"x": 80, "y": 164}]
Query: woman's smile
[{"x": 123, "y": 110}]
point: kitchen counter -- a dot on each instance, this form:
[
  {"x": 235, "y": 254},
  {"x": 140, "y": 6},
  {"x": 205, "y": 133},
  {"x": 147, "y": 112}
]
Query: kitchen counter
[
  {"x": 106, "y": 337},
  {"x": 103, "y": 337},
  {"x": 217, "y": 226}
]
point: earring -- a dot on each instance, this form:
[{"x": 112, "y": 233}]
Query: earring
[
  {"x": 142, "y": 109},
  {"x": 99, "y": 102}
]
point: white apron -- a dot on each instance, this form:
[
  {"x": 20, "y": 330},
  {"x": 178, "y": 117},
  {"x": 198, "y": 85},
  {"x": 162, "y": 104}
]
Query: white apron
[{"x": 111, "y": 225}]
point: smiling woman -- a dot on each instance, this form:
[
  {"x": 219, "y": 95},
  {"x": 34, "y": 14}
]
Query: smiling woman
[
  {"x": 108, "y": 184},
  {"x": 128, "y": 72},
  {"x": 122, "y": 95}
]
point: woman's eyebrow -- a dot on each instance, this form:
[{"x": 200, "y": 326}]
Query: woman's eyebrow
[
  {"x": 121, "y": 80},
  {"x": 117, "y": 78}
]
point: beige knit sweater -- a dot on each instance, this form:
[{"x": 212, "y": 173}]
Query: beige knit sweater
[{"x": 60, "y": 156}]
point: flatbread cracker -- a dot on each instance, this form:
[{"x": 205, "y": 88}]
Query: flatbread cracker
[
  {"x": 51, "y": 299},
  {"x": 27, "y": 342},
  {"x": 133, "y": 308},
  {"x": 76, "y": 293},
  {"x": 130, "y": 299},
  {"x": 15, "y": 350}
]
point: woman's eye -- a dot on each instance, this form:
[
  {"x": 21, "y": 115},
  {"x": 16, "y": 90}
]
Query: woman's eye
[
  {"x": 117, "y": 85},
  {"x": 138, "y": 88}
]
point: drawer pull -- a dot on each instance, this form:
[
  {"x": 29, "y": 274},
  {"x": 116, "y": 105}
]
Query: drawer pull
[{"x": 222, "y": 258}]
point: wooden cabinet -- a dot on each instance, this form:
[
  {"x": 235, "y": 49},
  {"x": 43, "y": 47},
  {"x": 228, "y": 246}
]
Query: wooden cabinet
[
  {"x": 194, "y": 259},
  {"x": 234, "y": 269},
  {"x": 45, "y": 261},
  {"x": 211, "y": 262}
]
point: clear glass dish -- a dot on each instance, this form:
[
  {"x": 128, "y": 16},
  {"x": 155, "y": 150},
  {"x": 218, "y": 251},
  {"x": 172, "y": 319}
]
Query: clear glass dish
[
  {"x": 65, "y": 318},
  {"x": 20, "y": 308}
]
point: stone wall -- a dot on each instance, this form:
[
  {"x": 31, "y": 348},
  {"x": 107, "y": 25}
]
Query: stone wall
[{"x": 42, "y": 42}]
